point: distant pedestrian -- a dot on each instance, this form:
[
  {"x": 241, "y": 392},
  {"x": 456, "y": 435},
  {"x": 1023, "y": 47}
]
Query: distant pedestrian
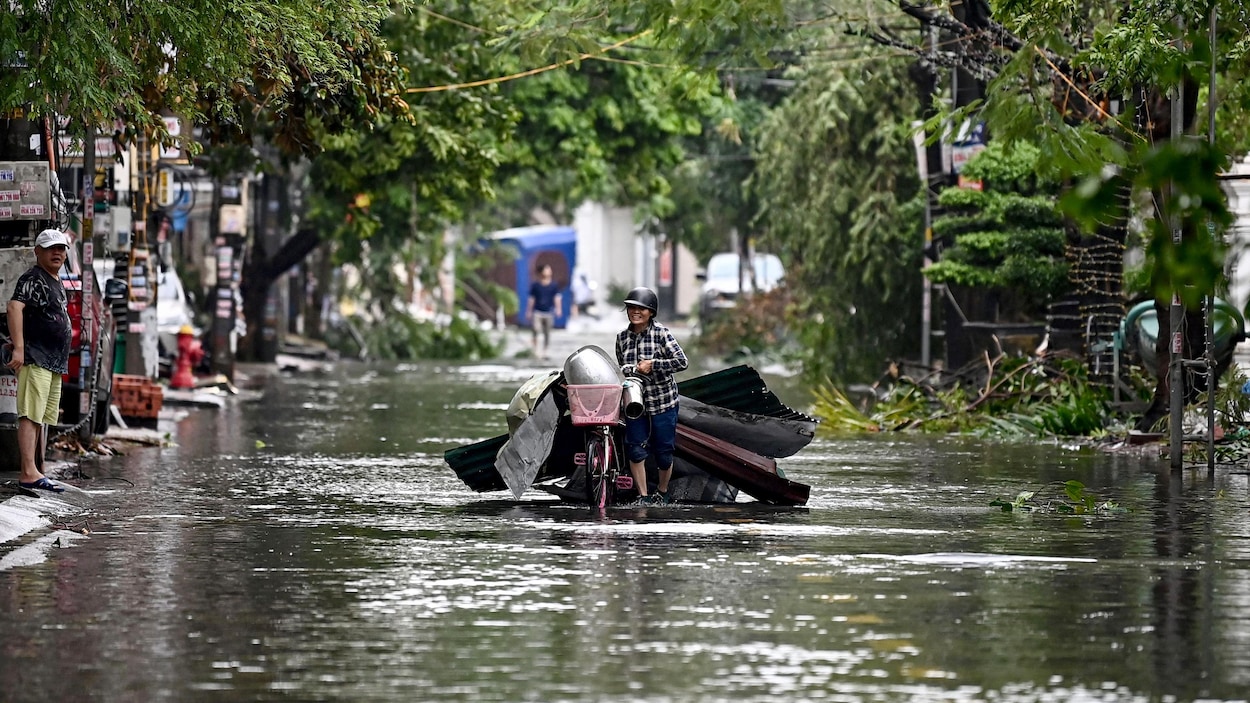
[
  {"x": 648, "y": 350},
  {"x": 39, "y": 328},
  {"x": 543, "y": 308},
  {"x": 583, "y": 294}
]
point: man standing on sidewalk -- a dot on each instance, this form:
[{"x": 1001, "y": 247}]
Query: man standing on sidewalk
[{"x": 40, "y": 329}]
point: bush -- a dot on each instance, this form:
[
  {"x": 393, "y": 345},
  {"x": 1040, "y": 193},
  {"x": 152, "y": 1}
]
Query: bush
[
  {"x": 402, "y": 337},
  {"x": 756, "y": 325}
]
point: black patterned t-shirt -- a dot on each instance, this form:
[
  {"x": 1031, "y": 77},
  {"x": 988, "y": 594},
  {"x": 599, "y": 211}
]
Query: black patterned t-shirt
[{"x": 45, "y": 319}]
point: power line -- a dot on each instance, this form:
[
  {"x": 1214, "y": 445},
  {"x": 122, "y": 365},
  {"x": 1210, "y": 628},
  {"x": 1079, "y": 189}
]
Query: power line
[{"x": 530, "y": 72}]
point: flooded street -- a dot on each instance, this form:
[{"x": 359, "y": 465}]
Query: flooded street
[{"x": 313, "y": 546}]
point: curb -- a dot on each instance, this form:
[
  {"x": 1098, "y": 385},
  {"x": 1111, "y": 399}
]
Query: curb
[{"x": 21, "y": 514}]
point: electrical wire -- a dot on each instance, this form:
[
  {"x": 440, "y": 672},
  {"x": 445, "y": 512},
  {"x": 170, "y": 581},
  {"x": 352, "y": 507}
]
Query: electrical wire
[{"x": 530, "y": 72}]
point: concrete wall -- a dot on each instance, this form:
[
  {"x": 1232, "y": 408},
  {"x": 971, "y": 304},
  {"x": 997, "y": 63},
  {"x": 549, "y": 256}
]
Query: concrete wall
[
  {"x": 1237, "y": 186},
  {"x": 614, "y": 254},
  {"x": 685, "y": 284},
  {"x": 605, "y": 249}
]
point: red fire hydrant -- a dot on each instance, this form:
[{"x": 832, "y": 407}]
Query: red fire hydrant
[{"x": 190, "y": 353}]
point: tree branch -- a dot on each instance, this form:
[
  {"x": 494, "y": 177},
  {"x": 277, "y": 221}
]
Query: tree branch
[{"x": 292, "y": 252}]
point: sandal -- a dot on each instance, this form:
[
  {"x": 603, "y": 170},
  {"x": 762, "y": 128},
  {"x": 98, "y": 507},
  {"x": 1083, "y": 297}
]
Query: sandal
[{"x": 42, "y": 484}]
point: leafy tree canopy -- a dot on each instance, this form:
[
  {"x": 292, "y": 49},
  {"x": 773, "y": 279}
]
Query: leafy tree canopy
[
  {"x": 836, "y": 181},
  {"x": 517, "y": 108},
  {"x": 1008, "y": 236},
  {"x": 309, "y": 68}
]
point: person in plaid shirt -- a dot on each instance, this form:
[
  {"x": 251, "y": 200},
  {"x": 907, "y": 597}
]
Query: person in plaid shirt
[{"x": 648, "y": 351}]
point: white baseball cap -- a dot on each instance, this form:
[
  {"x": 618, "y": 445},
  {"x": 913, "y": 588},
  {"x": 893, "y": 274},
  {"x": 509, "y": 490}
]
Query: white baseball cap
[{"x": 51, "y": 238}]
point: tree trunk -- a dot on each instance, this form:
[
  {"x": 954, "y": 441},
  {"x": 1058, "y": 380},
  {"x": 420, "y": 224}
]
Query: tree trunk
[{"x": 259, "y": 274}]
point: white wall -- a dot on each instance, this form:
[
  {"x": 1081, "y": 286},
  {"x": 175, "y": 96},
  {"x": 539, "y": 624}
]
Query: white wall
[
  {"x": 613, "y": 253},
  {"x": 687, "y": 286},
  {"x": 1237, "y": 185},
  {"x": 605, "y": 248}
]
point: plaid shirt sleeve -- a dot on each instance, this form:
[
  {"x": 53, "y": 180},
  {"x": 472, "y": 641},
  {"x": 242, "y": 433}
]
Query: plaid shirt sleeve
[
  {"x": 620, "y": 353},
  {"x": 667, "y": 358}
]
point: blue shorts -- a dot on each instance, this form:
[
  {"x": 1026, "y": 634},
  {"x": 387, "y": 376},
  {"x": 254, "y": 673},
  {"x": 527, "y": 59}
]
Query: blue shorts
[{"x": 654, "y": 435}]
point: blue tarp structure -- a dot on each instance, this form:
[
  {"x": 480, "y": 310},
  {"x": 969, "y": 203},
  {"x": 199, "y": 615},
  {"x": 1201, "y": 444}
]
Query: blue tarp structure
[{"x": 534, "y": 246}]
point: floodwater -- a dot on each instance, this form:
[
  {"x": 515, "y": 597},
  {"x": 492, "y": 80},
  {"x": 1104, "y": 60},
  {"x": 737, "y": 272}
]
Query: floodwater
[{"x": 313, "y": 546}]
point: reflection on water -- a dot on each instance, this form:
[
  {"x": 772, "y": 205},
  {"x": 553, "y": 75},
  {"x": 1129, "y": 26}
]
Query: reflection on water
[{"x": 313, "y": 546}]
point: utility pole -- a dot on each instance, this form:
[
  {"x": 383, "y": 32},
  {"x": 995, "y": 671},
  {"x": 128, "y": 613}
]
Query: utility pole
[
  {"x": 926, "y": 294},
  {"x": 87, "y": 360},
  {"x": 931, "y": 169},
  {"x": 229, "y": 222},
  {"x": 1176, "y": 361},
  {"x": 1209, "y": 310}
]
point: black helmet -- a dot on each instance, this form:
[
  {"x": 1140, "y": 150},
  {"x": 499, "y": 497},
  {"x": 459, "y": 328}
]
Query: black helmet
[{"x": 643, "y": 298}]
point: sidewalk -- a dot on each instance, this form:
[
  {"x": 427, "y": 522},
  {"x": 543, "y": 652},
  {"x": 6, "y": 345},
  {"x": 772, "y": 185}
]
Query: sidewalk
[
  {"x": 24, "y": 511},
  {"x": 62, "y": 517},
  {"x": 579, "y": 332}
]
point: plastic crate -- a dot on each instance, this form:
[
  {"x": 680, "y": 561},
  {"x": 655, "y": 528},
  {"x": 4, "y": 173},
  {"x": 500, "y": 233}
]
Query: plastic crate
[
  {"x": 137, "y": 396},
  {"x": 597, "y": 404}
]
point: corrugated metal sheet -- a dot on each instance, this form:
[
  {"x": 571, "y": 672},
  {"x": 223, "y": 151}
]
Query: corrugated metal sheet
[
  {"x": 739, "y": 388},
  {"x": 475, "y": 464}
]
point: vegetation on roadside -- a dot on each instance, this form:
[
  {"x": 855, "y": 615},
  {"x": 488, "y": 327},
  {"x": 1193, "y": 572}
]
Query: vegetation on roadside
[
  {"x": 401, "y": 337},
  {"x": 1006, "y": 236},
  {"x": 837, "y": 189},
  {"x": 1019, "y": 397},
  {"x": 789, "y": 123},
  {"x": 1049, "y": 396},
  {"x": 756, "y": 326}
]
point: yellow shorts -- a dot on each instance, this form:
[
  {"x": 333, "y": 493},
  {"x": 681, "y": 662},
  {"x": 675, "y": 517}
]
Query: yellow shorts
[{"x": 38, "y": 394}]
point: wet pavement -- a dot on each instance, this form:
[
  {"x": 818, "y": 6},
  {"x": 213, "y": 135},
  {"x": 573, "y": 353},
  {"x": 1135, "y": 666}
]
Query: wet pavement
[
  {"x": 310, "y": 544},
  {"x": 580, "y": 331}
]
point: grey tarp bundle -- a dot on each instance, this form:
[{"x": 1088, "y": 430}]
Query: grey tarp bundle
[
  {"x": 526, "y": 397},
  {"x": 532, "y": 419}
]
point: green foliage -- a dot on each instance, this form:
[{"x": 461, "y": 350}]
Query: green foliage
[
  {"x": 1194, "y": 204},
  {"x": 1008, "y": 237},
  {"x": 616, "y": 130},
  {"x": 839, "y": 413},
  {"x": 702, "y": 33},
  {"x": 709, "y": 202},
  {"x": 604, "y": 131},
  {"x": 757, "y": 325},
  {"x": 1064, "y": 415},
  {"x": 399, "y": 336},
  {"x": 1028, "y": 261},
  {"x": 386, "y": 194},
  {"x": 1073, "y": 498},
  {"x": 227, "y": 66},
  {"x": 1232, "y": 404},
  {"x": 1008, "y": 167},
  {"x": 1132, "y": 49},
  {"x": 416, "y": 176},
  {"x": 1018, "y": 504},
  {"x": 973, "y": 207},
  {"x": 837, "y": 189},
  {"x": 1048, "y": 397}
]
